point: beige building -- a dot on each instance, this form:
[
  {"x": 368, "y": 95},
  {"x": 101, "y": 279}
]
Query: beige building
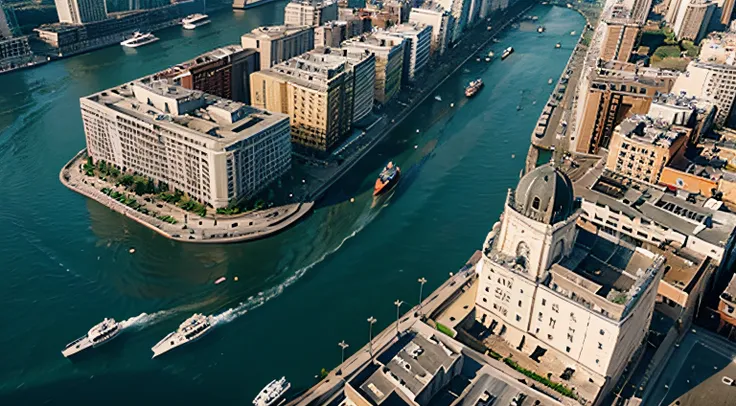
[
  {"x": 330, "y": 34},
  {"x": 685, "y": 111},
  {"x": 712, "y": 76},
  {"x": 441, "y": 21},
  {"x": 213, "y": 149},
  {"x": 612, "y": 92},
  {"x": 277, "y": 43},
  {"x": 418, "y": 41},
  {"x": 692, "y": 19},
  {"x": 641, "y": 147},
  {"x": 389, "y": 53},
  {"x": 318, "y": 90},
  {"x": 312, "y": 13},
  {"x": 621, "y": 34},
  {"x": 81, "y": 11},
  {"x": 547, "y": 286}
]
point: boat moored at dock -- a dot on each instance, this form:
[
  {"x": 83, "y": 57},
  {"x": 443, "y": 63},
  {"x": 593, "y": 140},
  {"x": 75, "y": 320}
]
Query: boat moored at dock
[
  {"x": 139, "y": 39},
  {"x": 272, "y": 393},
  {"x": 193, "y": 21},
  {"x": 191, "y": 329},
  {"x": 96, "y": 336}
]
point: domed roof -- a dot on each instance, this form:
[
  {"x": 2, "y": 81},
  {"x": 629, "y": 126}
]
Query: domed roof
[{"x": 545, "y": 194}]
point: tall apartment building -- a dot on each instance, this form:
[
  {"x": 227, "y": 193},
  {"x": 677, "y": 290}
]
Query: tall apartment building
[
  {"x": 363, "y": 66},
  {"x": 712, "y": 76},
  {"x": 641, "y": 147},
  {"x": 441, "y": 21},
  {"x": 389, "y": 53},
  {"x": 277, "y": 43},
  {"x": 8, "y": 23},
  {"x": 213, "y": 149},
  {"x": 81, "y": 11},
  {"x": 613, "y": 91},
  {"x": 416, "y": 52},
  {"x": 459, "y": 10},
  {"x": 310, "y": 12},
  {"x": 727, "y": 12},
  {"x": 621, "y": 34},
  {"x": 331, "y": 34},
  {"x": 547, "y": 285},
  {"x": 692, "y": 19},
  {"x": 318, "y": 90},
  {"x": 222, "y": 72}
]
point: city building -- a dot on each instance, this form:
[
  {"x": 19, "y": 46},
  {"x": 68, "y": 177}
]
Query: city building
[
  {"x": 712, "y": 76},
  {"x": 610, "y": 93},
  {"x": 277, "y": 43},
  {"x": 684, "y": 111},
  {"x": 215, "y": 150},
  {"x": 727, "y": 12},
  {"x": 81, "y": 11},
  {"x": 358, "y": 21},
  {"x": 547, "y": 286},
  {"x": 389, "y": 53},
  {"x": 622, "y": 32},
  {"x": 441, "y": 21},
  {"x": 418, "y": 40},
  {"x": 727, "y": 307},
  {"x": 641, "y": 147},
  {"x": 8, "y": 23},
  {"x": 459, "y": 9},
  {"x": 331, "y": 34},
  {"x": 424, "y": 367},
  {"x": 310, "y": 12},
  {"x": 692, "y": 19},
  {"x": 644, "y": 214},
  {"x": 14, "y": 52},
  {"x": 222, "y": 72},
  {"x": 319, "y": 91}
]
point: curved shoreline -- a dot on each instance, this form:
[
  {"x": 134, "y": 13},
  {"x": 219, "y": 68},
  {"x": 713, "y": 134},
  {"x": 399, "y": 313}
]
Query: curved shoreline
[{"x": 222, "y": 235}]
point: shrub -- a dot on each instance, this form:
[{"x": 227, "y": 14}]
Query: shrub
[
  {"x": 444, "y": 329},
  {"x": 558, "y": 387}
]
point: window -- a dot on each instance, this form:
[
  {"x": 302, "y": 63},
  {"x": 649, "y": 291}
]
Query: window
[
  {"x": 555, "y": 308},
  {"x": 600, "y": 346},
  {"x": 535, "y": 203},
  {"x": 539, "y": 317},
  {"x": 518, "y": 318},
  {"x": 567, "y": 349},
  {"x": 488, "y": 289},
  {"x": 569, "y": 337},
  {"x": 572, "y": 317},
  {"x": 552, "y": 322},
  {"x": 485, "y": 300},
  {"x": 603, "y": 332},
  {"x": 597, "y": 361},
  {"x": 544, "y": 303},
  {"x": 519, "y": 303},
  {"x": 549, "y": 336}
]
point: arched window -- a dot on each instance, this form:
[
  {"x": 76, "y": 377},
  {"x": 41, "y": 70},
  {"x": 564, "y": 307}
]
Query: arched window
[
  {"x": 522, "y": 255},
  {"x": 535, "y": 203}
]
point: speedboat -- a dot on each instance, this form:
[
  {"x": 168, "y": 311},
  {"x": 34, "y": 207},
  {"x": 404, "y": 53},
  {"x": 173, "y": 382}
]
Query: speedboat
[
  {"x": 139, "y": 39},
  {"x": 96, "y": 336},
  {"x": 193, "y": 21},
  {"x": 508, "y": 51},
  {"x": 272, "y": 392},
  {"x": 190, "y": 330},
  {"x": 541, "y": 29},
  {"x": 438, "y": 98},
  {"x": 558, "y": 45}
]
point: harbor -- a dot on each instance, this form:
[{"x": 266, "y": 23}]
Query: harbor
[{"x": 301, "y": 291}]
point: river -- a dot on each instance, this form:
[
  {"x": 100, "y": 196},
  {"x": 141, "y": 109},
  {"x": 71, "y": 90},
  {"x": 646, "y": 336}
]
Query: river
[{"x": 65, "y": 262}]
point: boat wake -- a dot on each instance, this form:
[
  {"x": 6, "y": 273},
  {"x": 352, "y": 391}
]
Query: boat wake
[
  {"x": 144, "y": 320},
  {"x": 261, "y": 298}
]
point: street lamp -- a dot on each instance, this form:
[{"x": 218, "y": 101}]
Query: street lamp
[
  {"x": 371, "y": 320},
  {"x": 398, "y": 304},
  {"x": 343, "y": 345},
  {"x": 421, "y": 281}
]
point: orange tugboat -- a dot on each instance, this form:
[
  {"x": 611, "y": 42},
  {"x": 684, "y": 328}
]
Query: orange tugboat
[{"x": 387, "y": 179}]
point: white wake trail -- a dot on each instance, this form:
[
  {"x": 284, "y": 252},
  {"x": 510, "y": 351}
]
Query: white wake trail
[{"x": 144, "y": 320}]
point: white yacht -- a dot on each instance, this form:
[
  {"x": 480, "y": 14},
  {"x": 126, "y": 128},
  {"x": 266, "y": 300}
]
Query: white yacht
[
  {"x": 190, "y": 330},
  {"x": 139, "y": 39},
  {"x": 193, "y": 21},
  {"x": 96, "y": 336},
  {"x": 272, "y": 393}
]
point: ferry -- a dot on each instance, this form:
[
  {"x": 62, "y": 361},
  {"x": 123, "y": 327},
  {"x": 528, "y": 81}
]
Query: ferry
[
  {"x": 193, "y": 21},
  {"x": 508, "y": 51},
  {"x": 139, "y": 39},
  {"x": 96, "y": 336},
  {"x": 473, "y": 87},
  {"x": 387, "y": 179},
  {"x": 272, "y": 393},
  {"x": 190, "y": 330}
]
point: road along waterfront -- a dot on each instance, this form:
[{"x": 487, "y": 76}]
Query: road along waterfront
[{"x": 66, "y": 261}]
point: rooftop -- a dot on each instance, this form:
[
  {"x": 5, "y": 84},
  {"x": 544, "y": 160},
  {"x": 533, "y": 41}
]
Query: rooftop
[
  {"x": 211, "y": 120},
  {"x": 317, "y": 68},
  {"x": 614, "y": 71},
  {"x": 206, "y": 58},
  {"x": 718, "y": 48},
  {"x": 682, "y": 268},
  {"x": 272, "y": 32},
  {"x": 646, "y": 130},
  {"x": 729, "y": 294},
  {"x": 373, "y": 42}
]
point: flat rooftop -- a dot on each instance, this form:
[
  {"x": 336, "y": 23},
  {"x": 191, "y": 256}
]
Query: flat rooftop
[
  {"x": 206, "y": 58},
  {"x": 682, "y": 267},
  {"x": 314, "y": 69},
  {"x": 729, "y": 294},
  {"x": 273, "y": 32},
  {"x": 613, "y": 71},
  {"x": 647, "y": 130},
  {"x": 700, "y": 216},
  {"x": 373, "y": 42},
  {"x": 214, "y": 121},
  {"x": 718, "y": 48}
]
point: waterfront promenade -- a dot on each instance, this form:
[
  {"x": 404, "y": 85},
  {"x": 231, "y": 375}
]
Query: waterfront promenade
[{"x": 190, "y": 227}]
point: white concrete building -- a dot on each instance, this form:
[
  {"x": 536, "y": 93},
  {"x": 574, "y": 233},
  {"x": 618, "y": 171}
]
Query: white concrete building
[
  {"x": 547, "y": 285},
  {"x": 442, "y": 24},
  {"x": 310, "y": 12},
  {"x": 389, "y": 53},
  {"x": 460, "y": 9},
  {"x": 213, "y": 149},
  {"x": 278, "y": 43},
  {"x": 416, "y": 55},
  {"x": 81, "y": 11},
  {"x": 692, "y": 19},
  {"x": 712, "y": 76}
]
